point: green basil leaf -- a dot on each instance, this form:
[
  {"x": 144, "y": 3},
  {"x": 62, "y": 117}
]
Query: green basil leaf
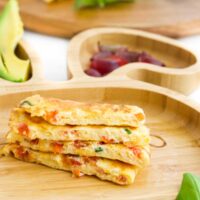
[{"x": 190, "y": 188}]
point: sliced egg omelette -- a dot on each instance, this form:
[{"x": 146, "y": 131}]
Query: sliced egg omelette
[
  {"x": 134, "y": 155},
  {"x": 36, "y": 127},
  {"x": 104, "y": 169},
  {"x": 109, "y": 141},
  {"x": 63, "y": 112}
]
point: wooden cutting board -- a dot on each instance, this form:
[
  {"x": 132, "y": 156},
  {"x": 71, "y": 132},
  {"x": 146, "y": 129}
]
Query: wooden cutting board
[{"x": 174, "y": 18}]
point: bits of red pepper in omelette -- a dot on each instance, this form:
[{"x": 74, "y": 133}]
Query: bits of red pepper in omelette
[
  {"x": 66, "y": 160},
  {"x": 69, "y": 161},
  {"x": 122, "y": 179},
  {"x": 51, "y": 116},
  {"x": 75, "y": 162},
  {"x": 136, "y": 151},
  {"x": 37, "y": 120},
  {"x": 77, "y": 173},
  {"x": 35, "y": 141},
  {"x": 100, "y": 170},
  {"x": 23, "y": 129},
  {"x": 22, "y": 153},
  {"x": 140, "y": 116},
  {"x": 75, "y": 132},
  {"x": 91, "y": 160},
  {"x": 80, "y": 144},
  {"x": 57, "y": 147},
  {"x": 107, "y": 140}
]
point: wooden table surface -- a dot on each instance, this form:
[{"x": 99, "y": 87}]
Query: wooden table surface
[{"x": 174, "y": 18}]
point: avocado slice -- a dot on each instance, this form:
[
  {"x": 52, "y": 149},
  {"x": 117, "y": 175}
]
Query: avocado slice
[{"x": 12, "y": 68}]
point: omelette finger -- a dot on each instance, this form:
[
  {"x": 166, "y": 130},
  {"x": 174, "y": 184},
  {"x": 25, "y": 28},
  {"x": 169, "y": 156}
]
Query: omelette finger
[
  {"x": 104, "y": 169},
  {"x": 134, "y": 155},
  {"x": 36, "y": 127},
  {"x": 60, "y": 112}
]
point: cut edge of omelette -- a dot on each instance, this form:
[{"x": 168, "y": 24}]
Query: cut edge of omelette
[
  {"x": 37, "y": 128},
  {"x": 139, "y": 156},
  {"x": 115, "y": 171}
]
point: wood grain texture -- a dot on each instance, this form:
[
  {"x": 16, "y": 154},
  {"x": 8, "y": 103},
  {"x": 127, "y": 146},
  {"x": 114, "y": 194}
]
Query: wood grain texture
[
  {"x": 169, "y": 17},
  {"x": 182, "y": 71},
  {"x": 170, "y": 116}
]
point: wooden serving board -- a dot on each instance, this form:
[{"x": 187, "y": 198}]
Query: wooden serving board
[
  {"x": 170, "y": 116},
  {"x": 167, "y": 17}
]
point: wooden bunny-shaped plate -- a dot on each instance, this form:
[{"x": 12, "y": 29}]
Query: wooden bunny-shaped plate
[{"x": 174, "y": 122}]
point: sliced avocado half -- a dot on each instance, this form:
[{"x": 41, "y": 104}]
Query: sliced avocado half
[{"x": 12, "y": 68}]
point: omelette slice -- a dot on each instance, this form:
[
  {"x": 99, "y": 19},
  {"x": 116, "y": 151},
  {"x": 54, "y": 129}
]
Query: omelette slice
[
  {"x": 132, "y": 155},
  {"x": 104, "y": 169},
  {"x": 60, "y": 112},
  {"x": 36, "y": 127}
]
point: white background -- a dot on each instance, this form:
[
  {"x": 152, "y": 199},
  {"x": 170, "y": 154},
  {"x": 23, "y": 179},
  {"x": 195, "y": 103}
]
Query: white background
[{"x": 53, "y": 54}]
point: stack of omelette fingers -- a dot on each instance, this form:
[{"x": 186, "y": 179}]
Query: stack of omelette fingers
[{"x": 106, "y": 140}]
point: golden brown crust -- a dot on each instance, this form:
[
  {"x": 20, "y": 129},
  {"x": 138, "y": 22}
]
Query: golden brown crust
[{"x": 60, "y": 112}]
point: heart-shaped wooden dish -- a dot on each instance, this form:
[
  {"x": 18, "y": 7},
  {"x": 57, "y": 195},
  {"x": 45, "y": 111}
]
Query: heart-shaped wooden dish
[
  {"x": 171, "y": 117},
  {"x": 182, "y": 71}
]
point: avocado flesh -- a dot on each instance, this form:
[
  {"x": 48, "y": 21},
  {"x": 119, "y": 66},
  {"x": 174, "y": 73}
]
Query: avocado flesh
[
  {"x": 4, "y": 73},
  {"x": 11, "y": 30}
]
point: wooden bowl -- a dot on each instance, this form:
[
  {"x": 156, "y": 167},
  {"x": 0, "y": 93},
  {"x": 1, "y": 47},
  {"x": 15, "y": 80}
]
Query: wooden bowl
[
  {"x": 181, "y": 74},
  {"x": 170, "y": 116}
]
